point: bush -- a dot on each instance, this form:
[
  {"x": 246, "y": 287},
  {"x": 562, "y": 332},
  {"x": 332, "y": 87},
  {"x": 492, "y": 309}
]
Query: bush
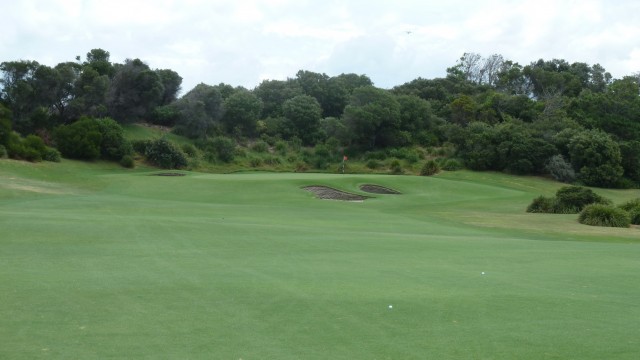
[
  {"x": 255, "y": 162},
  {"x": 430, "y": 168},
  {"x": 572, "y": 199},
  {"x": 542, "y": 204},
  {"x": 451, "y": 165},
  {"x": 272, "y": 160},
  {"x": 167, "y": 115},
  {"x": 3, "y": 152},
  {"x": 127, "y": 161},
  {"x": 568, "y": 200},
  {"x": 281, "y": 147},
  {"x": 164, "y": 154},
  {"x": 630, "y": 205},
  {"x": 51, "y": 154},
  {"x": 633, "y": 208},
  {"x": 260, "y": 146},
  {"x": 190, "y": 150},
  {"x": 224, "y": 148},
  {"x": 140, "y": 146},
  {"x": 80, "y": 140},
  {"x": 396, "y": 167},
  {"x": 634, "y": 215},
  {"x": 604, "y": 215},
  {"x": 560, "y": 169},
  {"x": 113, "y": 145},
  {"x": 405, "y": 153},
  {"x": 375, "y": 155},
  {"x": 373, "y": 164}
]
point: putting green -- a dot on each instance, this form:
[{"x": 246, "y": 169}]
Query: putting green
[{"x": 102, "y": 262}]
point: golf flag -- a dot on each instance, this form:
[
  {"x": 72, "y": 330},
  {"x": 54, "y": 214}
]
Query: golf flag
[{"x": 344, "y": 158}]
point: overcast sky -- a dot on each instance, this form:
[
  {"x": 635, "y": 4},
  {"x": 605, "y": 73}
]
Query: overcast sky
[{"x": 246, "y": 41}]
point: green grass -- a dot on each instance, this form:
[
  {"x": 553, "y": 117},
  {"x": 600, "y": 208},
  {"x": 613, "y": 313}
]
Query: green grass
[
  {"x": 99, "y": 262},
  {"x": 146, "y": 132}
]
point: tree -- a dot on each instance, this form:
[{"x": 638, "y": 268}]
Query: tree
[
  {"x": 519, "y": 152},
  {"x": 90, "y": 94},
  {"x": 630, "y": 152},
  {"x": 98, "y": 60},
  {"x": 242, "y": 111},
  {"x": 415, "y": 114},
  {"x": 17, "y": 91},
  {"x": 199, "y": 110},
  {"x": 134, "y": 92},
  {"x": 370, "y": 114},
  {"x": 171, "y": 82},
  {"x": 615, "y": 111},
  {"x": 476, "y": 145},
  {"x": 463, "y": 110},
  {"x": 274, "y": 93},
  {"x": 304, "y": 113},
  {"x": 596, "y": 157}
]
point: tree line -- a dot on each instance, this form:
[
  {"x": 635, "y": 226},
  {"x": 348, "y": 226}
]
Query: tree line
[{"x": 572, "y": 121}]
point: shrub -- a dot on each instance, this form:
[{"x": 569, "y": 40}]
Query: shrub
[
  {"x": 255, "y": 162},
  {"x": 164, "y": 154},
  {"x": 272, "y": 160},
  {"x": 375, "y": 155},
  {"x": 560, "y": 169},
  {"x": 127, "y": 161},
  {"x": 542, "y": 204},
  {"x": 396, "y": 167},
  {"x": 167, "y": 115},
  {"x": 80, "y": 140},
  {"x": 281, "y": 147},
  {"x": 260, "y": 146},
  {"x": 604, "y": 215},
  {"x": 572, "y": 199},
  {"x": 405, "y": 153},
  {"x": 430, "y": 168},
  {"x": 51, "y": 154},
  {"x": 630, "y": 205},
  {"x": 452, "y": 165},
  {"x": 140, "y": 146},
  {"x": 633, "y": 208},
  {"x": 295, "y": 143},
  {"x": 634, "y": 216},
  {"x": 113, "y": 145},
  {"x": 3, "y": 152},
  {"x": 190, "y": 150},
  {"x": 373, "y": 164},
  {"x": 224, "y": 148},
  {"x": 426, "y": 138}
]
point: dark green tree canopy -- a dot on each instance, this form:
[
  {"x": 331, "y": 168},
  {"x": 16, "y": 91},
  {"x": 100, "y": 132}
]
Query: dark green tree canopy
[
  {"x": 304, "y": 114},
  {"x": 135, "y": 90}
]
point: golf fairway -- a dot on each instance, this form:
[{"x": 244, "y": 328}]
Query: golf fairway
[{"x": 101, "y": 262}]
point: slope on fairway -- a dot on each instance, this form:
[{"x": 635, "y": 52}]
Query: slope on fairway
[{"x": 114, "y": 263}]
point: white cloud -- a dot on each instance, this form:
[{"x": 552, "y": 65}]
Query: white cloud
[{"x": 244, "y": 42}]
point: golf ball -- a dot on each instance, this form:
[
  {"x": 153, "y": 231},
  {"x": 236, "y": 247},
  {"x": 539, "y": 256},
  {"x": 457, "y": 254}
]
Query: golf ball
[
  {"x": 483, "y": 273},
  {"x": 390, "y": 306}
]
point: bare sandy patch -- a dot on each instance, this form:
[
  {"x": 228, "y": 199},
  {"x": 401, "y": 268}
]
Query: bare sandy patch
[{"x": 327, "y": 193}]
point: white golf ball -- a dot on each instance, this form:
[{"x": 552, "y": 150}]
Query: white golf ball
[
  {"x": 390, "y": 306},
  {"x": 483, "y": 273}
]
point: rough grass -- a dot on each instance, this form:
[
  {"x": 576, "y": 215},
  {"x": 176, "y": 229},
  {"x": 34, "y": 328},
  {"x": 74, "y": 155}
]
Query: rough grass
[{"x": 119, "y": 264}]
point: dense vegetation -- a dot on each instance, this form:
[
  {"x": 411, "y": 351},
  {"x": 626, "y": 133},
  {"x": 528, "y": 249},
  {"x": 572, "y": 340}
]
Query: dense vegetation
[{"x": 571, "y": 121}]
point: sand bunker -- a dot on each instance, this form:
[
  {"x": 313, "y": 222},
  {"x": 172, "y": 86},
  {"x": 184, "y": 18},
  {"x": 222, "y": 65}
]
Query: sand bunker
[
  {"x": 377, "y": 189},
  {"x": 168, "y": 174},
  {"x": 327, "y": 193}
]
